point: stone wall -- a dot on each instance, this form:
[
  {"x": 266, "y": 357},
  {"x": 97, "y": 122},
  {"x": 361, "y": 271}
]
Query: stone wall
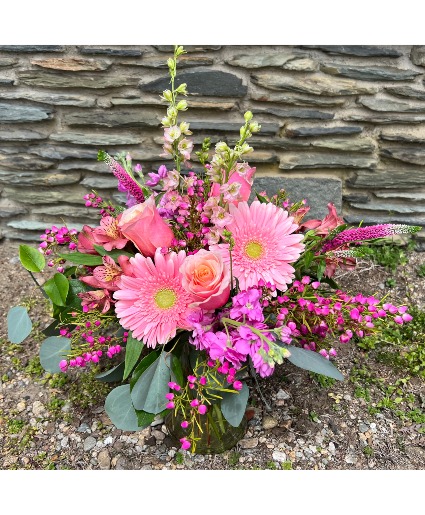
[{"x": 340, "y": 123}]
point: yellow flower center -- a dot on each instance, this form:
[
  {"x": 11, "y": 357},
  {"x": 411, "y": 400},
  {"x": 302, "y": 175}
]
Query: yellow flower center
[
  {"x": 254, "y": 249},
  {"x": 165, "y": 299}
]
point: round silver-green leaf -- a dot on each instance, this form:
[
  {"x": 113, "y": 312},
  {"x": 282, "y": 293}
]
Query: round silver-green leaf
[
  {"x": 120, "y": 409},
  {"x": 19, "y": 324},
  {"x": 52, "y": 351}
]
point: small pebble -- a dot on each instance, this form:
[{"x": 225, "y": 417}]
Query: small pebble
[
  {"x": 248, "y": 443},
  {"x": 279, "y": 456},
  {"x": 104, "y": 460},
  {"x": 89, "y": 443},
  {"x": 269, "y": 422}
]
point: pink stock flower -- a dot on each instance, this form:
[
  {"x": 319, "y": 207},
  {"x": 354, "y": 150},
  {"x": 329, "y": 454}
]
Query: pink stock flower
[
  {"x": 143, "y": 225},
  {"x": 207, "y": 279},
  {"x": 244, "y": 175},
  {"x": 264, "y": 245},
  {"x": 153, "y": 304},
  {"x": 109, "y": 235},
  {"x": 185, "y": 147},
  {"x": 322, "y": 227}
]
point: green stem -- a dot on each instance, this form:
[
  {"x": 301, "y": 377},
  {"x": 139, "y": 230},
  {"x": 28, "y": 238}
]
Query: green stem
[{"x": 219, "y": 416}]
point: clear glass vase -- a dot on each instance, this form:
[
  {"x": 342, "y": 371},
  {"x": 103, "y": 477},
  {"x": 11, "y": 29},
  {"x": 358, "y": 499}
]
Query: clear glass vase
[{"x": 212, "y": 434}]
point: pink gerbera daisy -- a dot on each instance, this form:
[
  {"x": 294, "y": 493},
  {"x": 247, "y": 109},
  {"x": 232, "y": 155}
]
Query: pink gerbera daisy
[
  {"x": 153, "y": 303},
  {"x": 264, "y": 245}
]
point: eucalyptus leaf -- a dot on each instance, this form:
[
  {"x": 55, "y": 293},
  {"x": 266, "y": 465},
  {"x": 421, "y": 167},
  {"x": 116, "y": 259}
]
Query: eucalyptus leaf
[
  {"x": 133, "y": 350},
  {"x": 112, "y": 375},
  {"x": 52, "y": 351},
  {"x": 233, "y": 405},
  {"x": 57, "y": 289},
  {"x": 31, "y": 258},
  {"x": 148, "y": 394},
  {"x": 120, "y": 409},
  {"x": 142, "y": 366},
  {"x": 312, "y": 361},
  {"x": 19, "y": 324}
]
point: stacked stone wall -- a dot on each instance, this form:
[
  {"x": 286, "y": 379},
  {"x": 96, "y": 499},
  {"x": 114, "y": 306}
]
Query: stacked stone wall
[{"x": 339, "y": 123}]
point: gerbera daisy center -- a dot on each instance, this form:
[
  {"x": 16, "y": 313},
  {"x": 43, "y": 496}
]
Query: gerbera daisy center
[
  {"x": 254, "y": 250},
  {"x": 165, "y": 299}
]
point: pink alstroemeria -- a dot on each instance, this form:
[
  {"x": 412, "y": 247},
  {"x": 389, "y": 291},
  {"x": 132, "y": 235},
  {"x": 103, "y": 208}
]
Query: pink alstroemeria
[
  {"x": 96, "y": 299},
  {"x": 86, "y": 241},
  {"x": 109, "y": 234},
  {"x": 322, "y": 227},
  {"x": 106, "y": 276}
]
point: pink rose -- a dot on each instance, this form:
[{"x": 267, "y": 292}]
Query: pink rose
[
  {"x": 205, "y": 276},
  {"x": 143, "y": 225}
]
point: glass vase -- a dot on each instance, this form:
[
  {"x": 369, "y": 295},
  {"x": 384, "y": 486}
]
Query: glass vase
[{"x": 212, "y": 434}]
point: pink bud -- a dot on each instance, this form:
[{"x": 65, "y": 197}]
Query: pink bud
[
  {"x": 185, "y": 443},
  {"x": 407, "y": 317},
  {"x": 315, "y": 285},
  {"x": 194, "y": 403},
  {"x": 170, "y": 396},
  {"x": 63, "y": 365},
  {"x": 237, "y": 385},
  {"x": 203, "y": 380},
  {"x": 191, "y": 379},
  {"x": 202, "y": 409},
  {"x": 398, "y": 320},
  {"x": 184, "y": 424},
  {"x": 170, "y": 405}
]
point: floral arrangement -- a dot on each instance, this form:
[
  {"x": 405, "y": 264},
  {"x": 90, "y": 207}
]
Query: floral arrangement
[{"x": 191, "y": 288}]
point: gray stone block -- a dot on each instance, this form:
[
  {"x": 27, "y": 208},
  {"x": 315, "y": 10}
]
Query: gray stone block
[
  {"x": 293, "y": 161},
  {"x": 357, "y": 50},
  {"x": 406, "y": 91},
  {"x": 204, "y": 82},
  {"x": 296, "y": 131},
  {"x": 47, "y": 79},
  {"x": 135, "y": 117},
  {"x": 27, "y": 49},
  {"x": 317, "y": 191},
  {"x": 314, "y": 84},
  {"x": 18, "y": 113},
  {"x": 295, "y": 113},
  {"x": 119, "y": 52},
  {"x": 390, "y": 73}
]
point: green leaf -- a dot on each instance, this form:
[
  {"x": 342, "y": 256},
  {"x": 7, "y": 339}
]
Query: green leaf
[
  {"x": 308, "y": 258},
  {"x": 262, "y": 199},
  {"x": 148, "y": 394},
  {"x": 57, "y": 289},
  {"x": 120, "y": 409},
  {"x": 31, "y": 258},
  {"x": 142, "y": 366},
  {"x": 76, "y": 287},
  {"x": 233, "y": 405},
  {"x": 321, "y": 269},
  {"x": 176, "y": 370},
  {"x": 19, "y": 324},
  {"x": 312, "y": 361},
  {"x": 52, "y": 329},
  {"x": 112, "y": 375},
  {"x": 133, "y": 350},
  {"x": 82, "y": 259},
  {"x": 52, "y": 351},
  {"x": 144, "y": 419},
  {"x": 114, "y": 254},
  {"x": 70, "y": 270}
]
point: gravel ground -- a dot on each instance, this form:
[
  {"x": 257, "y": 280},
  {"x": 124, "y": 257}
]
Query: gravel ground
[{"x": 52, "y": 422}]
